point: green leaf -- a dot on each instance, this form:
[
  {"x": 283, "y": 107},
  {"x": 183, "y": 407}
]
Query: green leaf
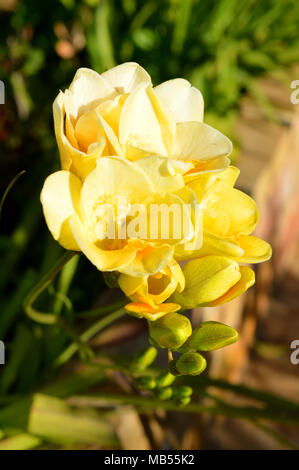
[
  {"x": 211, "y": 335},
  {"x": 55, "y": 421}
]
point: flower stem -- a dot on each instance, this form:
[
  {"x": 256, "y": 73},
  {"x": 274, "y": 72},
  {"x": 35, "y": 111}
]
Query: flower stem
[
  {"x": 87, "y": 335},
  {"x": 141, "y": 402},
  {"x": 43, "y": 317}
]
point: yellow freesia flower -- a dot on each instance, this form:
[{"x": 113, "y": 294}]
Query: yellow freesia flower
[
  {"x": 149, "y": 292},
  {"x": 126, "y": 145},
  {"x": 119, "y": 113},
  {"x": 78, "y": 213},
  {"x": 214, "y": 276}
]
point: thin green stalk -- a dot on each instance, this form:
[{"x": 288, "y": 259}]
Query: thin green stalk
[
  {"x": 42, "y": 317},
  {"x": 66, "y": 355},
  {"x": 13, "y": 181},
  {"x": 141, "y": 402}
]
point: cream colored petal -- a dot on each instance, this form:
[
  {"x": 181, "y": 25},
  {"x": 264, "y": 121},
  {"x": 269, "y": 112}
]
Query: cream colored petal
[
  {"x": 114, "y": 181},
  {"x": 87, "y": 90},
  {"x": 145, "y": 124},
  {"x": 114, "y": 148},
  {"x": 110, "y": 111},
  {"x": 185, "y": 101},
  {"x": 198, "y": 141},
  {"x": 60, "y": 200},
  {"x": 104, "y": 260},
  {"x": 213, "y": 166},
  {"x": 72, "y": 158},
  {"x": 165, "y": 176},
  {"x": 126, "y": 77}
]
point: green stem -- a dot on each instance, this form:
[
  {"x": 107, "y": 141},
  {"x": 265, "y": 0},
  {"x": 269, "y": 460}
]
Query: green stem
[
  {"x": 13, "y": 181},
  {"x": 252, "y": 413},
  {"x": 42, "y": 317},
  {"x": 87, "y": 335}
]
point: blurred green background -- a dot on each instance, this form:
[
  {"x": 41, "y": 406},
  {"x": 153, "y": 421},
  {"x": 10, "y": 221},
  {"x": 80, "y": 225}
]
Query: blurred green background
[{"x": 221, "y": 46}]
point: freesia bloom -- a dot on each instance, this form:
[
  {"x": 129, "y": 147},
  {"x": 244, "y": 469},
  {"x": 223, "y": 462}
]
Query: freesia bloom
[
  {"x": 124, "y": 143},
  {"x": 119, "y": 113},
  {"x": 77, "y": 213}
]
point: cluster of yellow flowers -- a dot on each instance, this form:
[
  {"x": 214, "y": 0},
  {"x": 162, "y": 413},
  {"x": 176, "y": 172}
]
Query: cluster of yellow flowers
[{"x": 124, "y": 142}]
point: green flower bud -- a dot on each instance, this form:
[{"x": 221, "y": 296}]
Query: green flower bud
[
  {"x": 182, "y": 392},
  {"x": 146, "y": 383},
  {"x": 191, "y": 364},
  {"x": 164, "y": 380},
  {"x": 170, "y": 331},
  {"x": 165, "y": 393},
  {"x": 211, "y": 335},
  {"x": 144, "y": 359},
  {"x": 183, "y": 401}
]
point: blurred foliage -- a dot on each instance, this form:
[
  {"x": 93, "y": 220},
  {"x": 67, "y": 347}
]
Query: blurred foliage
[{"x": 221, "y": 46}]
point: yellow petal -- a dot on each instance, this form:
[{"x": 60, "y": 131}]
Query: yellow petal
[
  {"x": 104, "y": 260},
  {"x": 114, "y": 181},
  {"x": 153, "y": 289},
  {"x": 60, "y": 200},
  {"x": 110, "y": 111},
  {"x": 206, "y": 279},
  {"x": 145, "y": 124},
  {"x": 70, "y": 132},
  {"x": 212, "y": 245},
  {"x": 185, "y": 101},
  {"x": 130, "y": 284},
  {"x": 88, "y": 130},
  {"x": 198, "y": 141},
  {"x": 215, "y": 165},
  {"x": 87, "y": 90},
  {"x": 126, "y": 77},
  {"x": 150, "y": 313},
  {"x": 149, "y": 260},
  {"x": 230, "y": 214},
  {"x": 247, "y": 280},
  {"x": 255, "y": 249},
  {"x": 170, "y": 219},
  {"x": 165, "y": 176},
  {"x": 71, "y": 157}
]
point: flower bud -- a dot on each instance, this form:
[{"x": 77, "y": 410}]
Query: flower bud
[
  {"x": 144, "y": 359},
  {"x": 165, "y": 393},
  {"x": 183, "y": 401},
  {"x": 146, "y": 383},
  {"x": 170, "y": 331},
  {"x": 164, "y": 380},
  {"x": 211, "y": 335},
  {"x": 183, "y": 391},
  {"x": 191, "y": 364}
]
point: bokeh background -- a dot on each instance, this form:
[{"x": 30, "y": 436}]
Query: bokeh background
[{"x": 243, "y": 56}]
